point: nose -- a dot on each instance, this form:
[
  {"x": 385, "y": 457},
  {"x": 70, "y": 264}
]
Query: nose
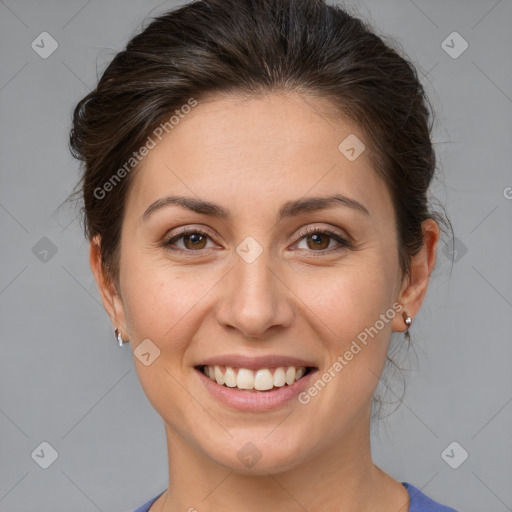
[{"x": 255, "y": 299}]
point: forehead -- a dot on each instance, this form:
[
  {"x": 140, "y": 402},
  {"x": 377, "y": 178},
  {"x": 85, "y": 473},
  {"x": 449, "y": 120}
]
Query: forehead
[{"x": 259, "y": 151}]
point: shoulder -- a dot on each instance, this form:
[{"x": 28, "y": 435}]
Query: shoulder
[
  {"x": 145, "y": 507},
  {"x": 419, "y": 502}
]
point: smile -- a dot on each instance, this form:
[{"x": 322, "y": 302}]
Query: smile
[
  {"x": 264, "y": 379},
  {"x": 268, "y": 384}
]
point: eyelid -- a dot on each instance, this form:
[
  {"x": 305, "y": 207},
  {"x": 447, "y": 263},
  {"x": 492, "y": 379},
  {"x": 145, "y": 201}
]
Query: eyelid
[
  {"x": 185, "y": 230},
  {"x": 312, "y": 229}
]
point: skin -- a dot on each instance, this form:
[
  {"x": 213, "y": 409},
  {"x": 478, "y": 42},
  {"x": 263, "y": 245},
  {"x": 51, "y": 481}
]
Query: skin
[{"x": 250, "y": 156}]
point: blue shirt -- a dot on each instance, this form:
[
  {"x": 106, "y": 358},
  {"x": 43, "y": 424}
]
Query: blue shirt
[{"x": 418, "y": 502}]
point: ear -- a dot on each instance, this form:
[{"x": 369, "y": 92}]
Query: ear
[
  {"x": 414, "y": 287},
  {"x": 109, "y": 294}
]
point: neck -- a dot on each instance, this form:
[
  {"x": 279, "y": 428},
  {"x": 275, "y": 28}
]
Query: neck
[{"x": 339, "y": 477}]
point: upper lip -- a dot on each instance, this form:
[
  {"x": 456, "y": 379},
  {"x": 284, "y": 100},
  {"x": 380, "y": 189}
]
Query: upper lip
[{"x": 256, "y": 363}]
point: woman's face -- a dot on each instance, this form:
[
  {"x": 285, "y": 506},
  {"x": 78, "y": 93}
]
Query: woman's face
[{"x": 252, "y": 289}]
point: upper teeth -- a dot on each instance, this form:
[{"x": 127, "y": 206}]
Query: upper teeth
[{"x": 260, "y": 380}]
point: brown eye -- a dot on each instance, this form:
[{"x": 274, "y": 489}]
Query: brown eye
[
  {"x": 193, "y": 240},
  {"x": 319, "y": 240}
]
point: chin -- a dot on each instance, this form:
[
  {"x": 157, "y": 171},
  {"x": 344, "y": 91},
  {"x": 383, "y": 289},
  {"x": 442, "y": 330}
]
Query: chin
[{"x": 259, "y": 456}]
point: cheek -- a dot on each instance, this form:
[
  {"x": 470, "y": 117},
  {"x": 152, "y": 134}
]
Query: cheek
[
  {"x": 349, "y": 299},
  {"x": 159, "y": 306},
  {"x": 354, "y": 313},
  {"x": 160, "y": 301}
]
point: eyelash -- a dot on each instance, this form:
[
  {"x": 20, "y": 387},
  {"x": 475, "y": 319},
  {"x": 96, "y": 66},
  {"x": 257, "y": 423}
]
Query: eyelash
[{"x": 307, "y": 232}]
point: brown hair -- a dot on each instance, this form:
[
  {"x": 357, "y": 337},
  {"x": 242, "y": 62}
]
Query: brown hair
[{"x": 252, "y": 47}]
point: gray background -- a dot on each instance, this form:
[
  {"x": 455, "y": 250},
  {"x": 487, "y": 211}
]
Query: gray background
[{"x": 63, "y": 378}]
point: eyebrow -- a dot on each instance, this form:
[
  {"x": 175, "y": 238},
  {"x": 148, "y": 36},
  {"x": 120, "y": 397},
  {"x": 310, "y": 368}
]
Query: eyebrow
[{"x": 289, "y": 209}]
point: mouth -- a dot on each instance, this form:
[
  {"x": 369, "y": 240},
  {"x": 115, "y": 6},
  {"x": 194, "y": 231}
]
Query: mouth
[{"x": 262, "y": 380}]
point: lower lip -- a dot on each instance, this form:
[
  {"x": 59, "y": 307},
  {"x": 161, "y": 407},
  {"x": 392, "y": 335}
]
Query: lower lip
[{"x": 258, "y": 400}]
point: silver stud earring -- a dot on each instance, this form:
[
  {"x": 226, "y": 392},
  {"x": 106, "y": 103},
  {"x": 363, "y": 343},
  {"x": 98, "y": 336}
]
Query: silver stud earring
[{"x": 408, "y": 323}]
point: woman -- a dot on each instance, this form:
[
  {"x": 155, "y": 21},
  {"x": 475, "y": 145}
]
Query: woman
[{"x": 255, "y": 195}]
